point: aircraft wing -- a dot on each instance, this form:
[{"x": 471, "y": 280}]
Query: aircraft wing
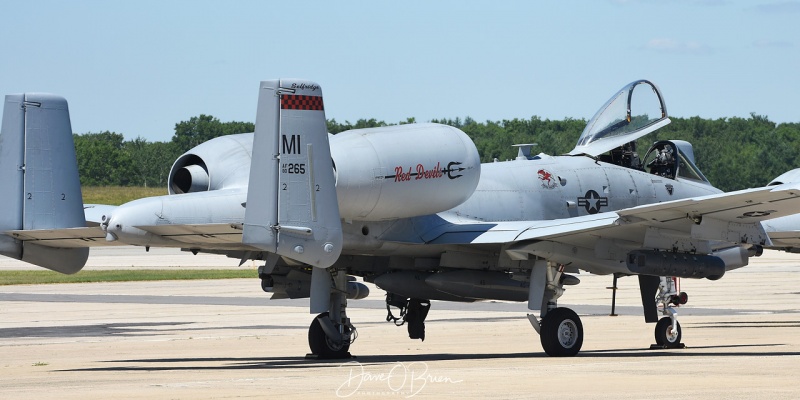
[
  {"x": 785, "y": 240},
  {"x": 784, "y": 232},
  {"x": 506, "y": 232},
  {"x": 92, "y": 236},
  {"x": 198, "y": 234},
  {"x": 700, "y": 224}
]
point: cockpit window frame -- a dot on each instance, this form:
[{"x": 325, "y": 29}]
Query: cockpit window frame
[
  {"x": 681, "y": 166},
  {"x": 596, "y": 139}
]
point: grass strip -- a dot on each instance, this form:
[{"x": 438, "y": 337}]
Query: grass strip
[
  {"x": 116, "y": 195},
  {"x": 44, "y": 277}
]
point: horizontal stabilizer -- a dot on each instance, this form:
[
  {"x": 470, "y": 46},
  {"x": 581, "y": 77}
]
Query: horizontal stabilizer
[{"x": 64, "y": 238}]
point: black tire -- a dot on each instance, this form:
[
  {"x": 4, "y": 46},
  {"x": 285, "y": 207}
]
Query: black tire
[
  {"x": 319, "y": 343},
  {"x": 665, "y": 335},
  {"x": 561, "y": 333}
]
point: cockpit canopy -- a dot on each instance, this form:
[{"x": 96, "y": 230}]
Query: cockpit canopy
[{"x": 636, "y": 110}]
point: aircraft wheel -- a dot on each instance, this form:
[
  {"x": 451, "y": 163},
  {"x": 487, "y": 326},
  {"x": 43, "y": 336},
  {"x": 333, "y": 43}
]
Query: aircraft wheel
[
  {"x": 561, "y": 333},
  {"x": 667, "y": 336},
  {"x": 323, "y": 346}
]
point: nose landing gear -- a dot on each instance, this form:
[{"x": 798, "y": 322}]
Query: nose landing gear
[{"x": 668, "y": 330}]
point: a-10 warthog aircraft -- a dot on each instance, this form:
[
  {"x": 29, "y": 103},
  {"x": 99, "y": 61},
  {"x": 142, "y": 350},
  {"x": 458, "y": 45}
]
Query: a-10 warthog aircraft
[{"x": 409, "y": 207}]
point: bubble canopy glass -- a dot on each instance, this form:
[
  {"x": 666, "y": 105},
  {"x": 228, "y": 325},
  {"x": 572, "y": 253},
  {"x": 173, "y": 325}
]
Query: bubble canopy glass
[{"x": 636, "y": 110}]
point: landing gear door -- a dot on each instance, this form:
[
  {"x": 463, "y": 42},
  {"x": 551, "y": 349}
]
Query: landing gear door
[{"x": 636, "y": 110}]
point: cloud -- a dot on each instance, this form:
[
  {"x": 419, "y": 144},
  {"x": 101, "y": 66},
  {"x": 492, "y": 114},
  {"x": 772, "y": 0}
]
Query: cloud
[
  {"x": 664, "y": 45},
  {"x": 783, "y": 7}
]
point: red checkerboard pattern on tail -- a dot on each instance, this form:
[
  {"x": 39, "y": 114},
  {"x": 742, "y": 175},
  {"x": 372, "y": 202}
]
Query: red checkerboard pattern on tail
[{"x": 301, "y": 102}]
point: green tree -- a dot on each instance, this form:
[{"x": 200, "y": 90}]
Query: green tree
[
  {"x": 150, "y": 161},
  {"x": 197, "y": 130},
  {"x": 102, "y": 160},
  {"x": 336, "y": 127},
  {"x": 733, "y": 153}
]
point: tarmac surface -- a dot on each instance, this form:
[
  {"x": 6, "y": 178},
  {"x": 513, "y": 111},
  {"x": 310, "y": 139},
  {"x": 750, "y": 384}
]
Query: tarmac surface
[{"x": 226, "y": 339}]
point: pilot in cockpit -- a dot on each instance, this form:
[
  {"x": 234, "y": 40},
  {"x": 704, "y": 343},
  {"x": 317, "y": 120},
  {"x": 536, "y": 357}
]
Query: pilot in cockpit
[{"x": 663, "y": 163}]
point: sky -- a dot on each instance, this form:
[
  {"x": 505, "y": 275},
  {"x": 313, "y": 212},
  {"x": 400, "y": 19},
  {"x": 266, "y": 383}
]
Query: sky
[{"x": 139, "y": 67}]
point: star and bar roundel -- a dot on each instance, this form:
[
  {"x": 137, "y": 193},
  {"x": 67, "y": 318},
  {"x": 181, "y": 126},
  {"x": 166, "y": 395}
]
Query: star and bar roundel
[
  {"x": 301, "y": 102},
  {"x": 592, "y": 202}
]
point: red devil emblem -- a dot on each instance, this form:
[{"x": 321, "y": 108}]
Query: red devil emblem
[{"x": 547, "y": 179}]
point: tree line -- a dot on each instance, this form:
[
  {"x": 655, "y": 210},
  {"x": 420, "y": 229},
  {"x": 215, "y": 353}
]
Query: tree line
[{"x": 733, "y": 153}]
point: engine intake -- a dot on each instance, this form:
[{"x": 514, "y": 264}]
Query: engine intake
[
  {"x": 191, "y": 177},
  {"x": 219, "y": 163}
]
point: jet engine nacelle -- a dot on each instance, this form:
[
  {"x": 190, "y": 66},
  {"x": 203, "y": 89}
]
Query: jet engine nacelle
[
  {"x": 682, "y": 265},
  {"x": 218, "y": 163},
  {"x": 403, "y": 171},
  {"x": 791, "y": 176}
]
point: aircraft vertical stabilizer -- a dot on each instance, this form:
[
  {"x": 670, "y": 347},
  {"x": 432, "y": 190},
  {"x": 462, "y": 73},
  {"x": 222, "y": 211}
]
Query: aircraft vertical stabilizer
[
  {"x": 39, "y": 177},
  {"x": 291, "y": 207}
]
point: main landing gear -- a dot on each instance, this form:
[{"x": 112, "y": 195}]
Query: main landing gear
[
  {"x": 327, "y": 346},
  {"x": 560, "y": 330},
  {"x": 331, "y": 333}
]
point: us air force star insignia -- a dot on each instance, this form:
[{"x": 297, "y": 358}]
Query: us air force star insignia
[
  {"x": 757, "y": 214},
  {"x": 592, "y": 202}
]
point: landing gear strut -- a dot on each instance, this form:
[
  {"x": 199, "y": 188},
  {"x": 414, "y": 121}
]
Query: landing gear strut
[
  {"x": 561, "y": 330},
  {"x": 331, "y": 333},
  {"x": 668, "y": 330}
]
